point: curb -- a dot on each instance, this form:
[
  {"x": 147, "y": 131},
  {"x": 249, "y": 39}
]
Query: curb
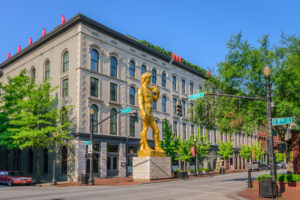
[{"x": 237, "y": 197}]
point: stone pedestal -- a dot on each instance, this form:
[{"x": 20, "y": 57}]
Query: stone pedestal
[{"x": 151, "y": 168}]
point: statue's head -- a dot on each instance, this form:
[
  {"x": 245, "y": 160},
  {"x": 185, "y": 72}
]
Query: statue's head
[{"x": 146, "y": 77}]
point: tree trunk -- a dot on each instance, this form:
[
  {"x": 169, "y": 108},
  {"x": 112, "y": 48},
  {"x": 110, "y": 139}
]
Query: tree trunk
[
  {"x": 38, "y": 178},
  {"x": 288, "y": 162}
]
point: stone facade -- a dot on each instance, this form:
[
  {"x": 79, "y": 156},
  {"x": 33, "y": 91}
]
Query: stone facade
[{"x": 151, "y": 168}]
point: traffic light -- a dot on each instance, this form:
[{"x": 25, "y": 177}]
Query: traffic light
[
  {"x": 135, "y": 116},
  {"x": 96, "y": 156},
  {"x": 179, "y": 111}
]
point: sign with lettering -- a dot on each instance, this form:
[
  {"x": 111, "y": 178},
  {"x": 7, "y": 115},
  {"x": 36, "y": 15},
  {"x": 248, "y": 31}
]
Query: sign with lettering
[
  {"x": 196, "y": 96},
  {"x": 126, "y": 110},
  {"x": 281, "y": 121}
]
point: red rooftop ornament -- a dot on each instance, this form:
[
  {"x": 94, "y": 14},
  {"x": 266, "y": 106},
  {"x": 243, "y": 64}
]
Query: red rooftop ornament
[
  {"x": 180, "y": 59},
  {"x": 8, "y": 55},
  {"x": 208, "y": 73},
  {"x": 63, "y": 19},
  {"x": 19, "y": 48},
  {"x": 173, "y": 56},
  {"x": 30, "y": 41},
  {"x": 176, "y": 58},
  {"x": 44, "y": 31}
]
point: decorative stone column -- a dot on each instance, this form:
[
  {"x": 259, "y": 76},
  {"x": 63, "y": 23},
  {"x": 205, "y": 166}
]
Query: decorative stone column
[
  {"x": 80, "y": 160},
  {"x": 103, "y": 158},
  {"x": 122, "y": 160}
]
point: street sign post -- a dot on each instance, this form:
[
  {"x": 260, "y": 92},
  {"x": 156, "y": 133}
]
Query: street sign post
[
  {"x": 126, "y": 110},
  {"x": 281, "y": 121},
  {"x": 196, "y": 96},
  {"x": 90, "y": 148}
]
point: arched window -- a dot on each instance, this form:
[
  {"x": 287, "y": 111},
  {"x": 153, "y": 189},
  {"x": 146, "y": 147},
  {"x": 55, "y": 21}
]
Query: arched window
[
  {"x": 66, "y": 61},
  {"x": 163, "y": 102},
  {"x": 163, "y": 79},
  {"x": 153, "y": 76},
  {"x": 113, "y": 66},
  {"x": 143, "y": 69},
  {"x": 132, "y": 95},
  {"x": 64, "y": 160},
  {"x": 94, "y": 60},
  {"x": 113, "y": 122},
  {"x": 95, "y": 118},
  {"x": 32, "y": 75},
  {"x": 132, "y": 68},
  {"x": 47, "y": 69}
]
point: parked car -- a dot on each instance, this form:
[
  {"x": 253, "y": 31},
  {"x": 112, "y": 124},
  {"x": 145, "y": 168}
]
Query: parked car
[
  {"x": 13, "y": 178},
  {"x": 255, "y": 166},
  {"x": 264, "y": 166}
]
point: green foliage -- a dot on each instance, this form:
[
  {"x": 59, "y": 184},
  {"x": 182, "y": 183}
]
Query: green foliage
[
  {"x": 14, "y": 91},
  {"x": 280, "y": 156},
  {"x": 169, "y": 142},
  {"x": 225, "y": 149},
  {"x": 203, "y": 170},
  {"x": 169, "y": 53},
  {"x": 183, "y": 149},
  {"x": 282, "y": 177},
  {"x": 258, "y": 151},
  {"x": 33, "y": 117},
  {"x": 246, "y": 151},
  {"x": 202, "y": 145}
]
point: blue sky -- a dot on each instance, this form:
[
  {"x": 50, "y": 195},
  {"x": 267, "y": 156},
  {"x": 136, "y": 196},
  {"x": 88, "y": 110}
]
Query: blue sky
[{"x": 194, "y": 29}]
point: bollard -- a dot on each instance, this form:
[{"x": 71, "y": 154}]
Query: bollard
[{"x": 249, "y": 179}]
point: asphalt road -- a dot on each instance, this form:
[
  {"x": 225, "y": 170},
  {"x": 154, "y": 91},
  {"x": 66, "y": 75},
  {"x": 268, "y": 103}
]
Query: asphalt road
[{"x": 218, "y": 187}]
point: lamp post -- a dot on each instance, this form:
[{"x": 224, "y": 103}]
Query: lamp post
[
  {"x": 91, "y": 179},
  {"x": 267, "y": 71},
  {"x": 53, "y": 182}
]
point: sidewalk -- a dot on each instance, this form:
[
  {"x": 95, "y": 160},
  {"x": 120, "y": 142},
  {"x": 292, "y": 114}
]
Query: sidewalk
[
  {"x": 252, "y": 194},
  {"x": 122, "y": 181}
]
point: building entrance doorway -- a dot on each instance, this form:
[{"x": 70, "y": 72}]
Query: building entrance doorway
[
  {"x": 112, "y": 160},
  {"x": 112, "y": 166}
]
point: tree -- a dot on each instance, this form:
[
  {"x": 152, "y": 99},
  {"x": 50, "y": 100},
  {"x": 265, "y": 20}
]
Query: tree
[
  {"x": 202, "y": 146},
  {"x": 37, "y": 119},
  {"x": 258, "y": 151},
  {"x": 183, "y": 149},
  {"x": 241, "y": 73},
  {"x": 169, "y": 142},
  {"x": 15, "y": 90},
  {"x": 225, "y": 149},
  {"x": 246, "y": 151},
  {"x": 279, "y": 156}
]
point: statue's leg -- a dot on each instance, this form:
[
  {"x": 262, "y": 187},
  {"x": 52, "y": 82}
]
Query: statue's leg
[
  {"x": 144, "y": 143},
  {"x": 156, "y": 135}
]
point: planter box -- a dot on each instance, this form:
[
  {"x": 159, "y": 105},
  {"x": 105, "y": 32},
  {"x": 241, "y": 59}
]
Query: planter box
[
  {"x": 267, "y": 188},
  {"x": 282, "y": 186},
  {"x": 181, "y": 175}
]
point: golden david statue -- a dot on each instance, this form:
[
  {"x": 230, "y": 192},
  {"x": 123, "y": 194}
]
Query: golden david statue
[{"x": 146, "y": 96}]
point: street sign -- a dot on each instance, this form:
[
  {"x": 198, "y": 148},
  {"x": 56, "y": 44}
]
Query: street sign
[
  {"x": 126, "y": 110},
  {"x": 281, "y": 121},
  {"x": 196, "y": 96},
  {"x": 90, "y": 148},
  {"x": 87, "y": 142}
]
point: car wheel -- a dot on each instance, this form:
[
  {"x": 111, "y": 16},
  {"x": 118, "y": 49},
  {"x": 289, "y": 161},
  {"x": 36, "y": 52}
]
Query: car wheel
[{"x": 9, "y": 183}]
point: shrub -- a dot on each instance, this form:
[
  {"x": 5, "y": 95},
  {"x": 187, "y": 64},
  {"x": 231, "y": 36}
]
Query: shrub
[{"x": 283, "y": 177}]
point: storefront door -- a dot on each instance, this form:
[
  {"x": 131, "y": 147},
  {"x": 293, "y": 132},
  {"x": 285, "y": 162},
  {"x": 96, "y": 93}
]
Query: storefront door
[{"x": 112, "y": 166}]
